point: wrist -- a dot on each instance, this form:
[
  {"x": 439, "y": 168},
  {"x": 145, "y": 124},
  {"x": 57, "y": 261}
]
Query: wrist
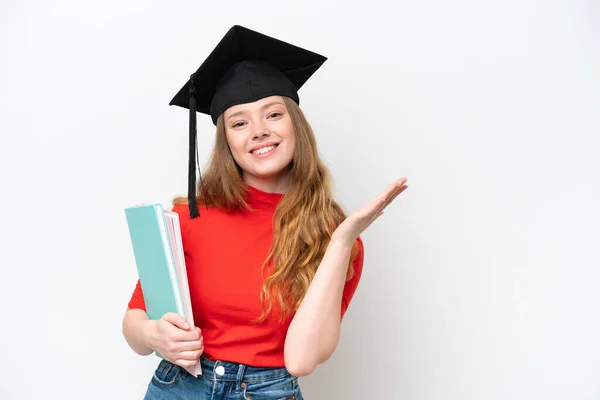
[{"x": 340, "y": 245}]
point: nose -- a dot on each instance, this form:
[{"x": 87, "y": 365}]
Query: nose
[{"x": 260, "y": 131}]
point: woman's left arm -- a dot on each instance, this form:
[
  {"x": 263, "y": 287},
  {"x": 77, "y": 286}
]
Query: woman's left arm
[{"x": 315, "y": 329}]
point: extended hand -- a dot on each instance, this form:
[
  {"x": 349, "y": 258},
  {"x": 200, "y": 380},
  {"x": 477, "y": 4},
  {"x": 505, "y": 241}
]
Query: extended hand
[{"x": 349, "y": 230}]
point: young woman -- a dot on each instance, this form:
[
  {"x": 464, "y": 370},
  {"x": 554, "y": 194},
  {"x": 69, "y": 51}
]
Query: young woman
[{"x": 272, "y": 260}]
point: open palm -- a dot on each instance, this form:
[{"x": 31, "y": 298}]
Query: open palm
[{"x": 356, "y": 223}]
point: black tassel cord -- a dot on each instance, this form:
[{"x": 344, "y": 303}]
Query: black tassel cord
[{"x": 193, "y": 156}]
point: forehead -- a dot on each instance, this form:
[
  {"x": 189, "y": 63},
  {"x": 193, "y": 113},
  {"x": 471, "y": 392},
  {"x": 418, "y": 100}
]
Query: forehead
[{"x": 255, "y": 105}]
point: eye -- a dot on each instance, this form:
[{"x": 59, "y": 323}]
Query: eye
[
  {"x": 274, "y": 115},
  {"x": 238, "y": 125}
]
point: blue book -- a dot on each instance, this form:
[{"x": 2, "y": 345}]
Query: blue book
[
  {"x": 154, "y": 259},
  {"x": 158, "y": 250}
]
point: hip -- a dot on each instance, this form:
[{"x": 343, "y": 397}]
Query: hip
[{"x": 222, "y": 380}]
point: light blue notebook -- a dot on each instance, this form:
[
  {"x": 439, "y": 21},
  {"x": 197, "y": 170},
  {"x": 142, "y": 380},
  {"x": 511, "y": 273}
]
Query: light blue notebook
[{"x": 155, "y": 260}]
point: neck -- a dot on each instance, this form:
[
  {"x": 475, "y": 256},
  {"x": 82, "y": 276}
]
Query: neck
[{"x": 279, "y": 184}]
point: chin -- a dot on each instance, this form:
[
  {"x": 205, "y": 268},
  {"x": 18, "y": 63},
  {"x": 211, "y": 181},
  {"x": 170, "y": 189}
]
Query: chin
[
  {"x": 268, "y": 169},
  {"x": 267, "y": 174},
  {"x": 273, "y": 172}
]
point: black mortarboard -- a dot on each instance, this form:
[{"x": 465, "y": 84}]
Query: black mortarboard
[{"x": 245, "y": 66}]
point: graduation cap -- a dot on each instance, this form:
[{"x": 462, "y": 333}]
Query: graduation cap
[{"x": 245, "y": 66}]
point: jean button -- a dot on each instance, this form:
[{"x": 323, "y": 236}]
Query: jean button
[{"x": 220, "y": 370}]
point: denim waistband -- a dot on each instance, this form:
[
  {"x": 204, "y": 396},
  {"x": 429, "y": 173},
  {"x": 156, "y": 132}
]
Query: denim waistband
[{"x": 228, "y": 371}]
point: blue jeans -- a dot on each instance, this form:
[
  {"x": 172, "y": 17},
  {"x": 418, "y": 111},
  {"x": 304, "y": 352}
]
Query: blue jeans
[{"x": 222, "y": 380}]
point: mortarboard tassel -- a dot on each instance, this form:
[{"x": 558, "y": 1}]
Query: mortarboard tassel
[{"x": 193, "y": 207}]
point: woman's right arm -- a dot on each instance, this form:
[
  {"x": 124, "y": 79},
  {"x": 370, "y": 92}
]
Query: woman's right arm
[{"x": 137, "y": 329}]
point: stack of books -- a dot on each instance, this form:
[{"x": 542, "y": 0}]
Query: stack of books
[{"x": 158, "y": 250}]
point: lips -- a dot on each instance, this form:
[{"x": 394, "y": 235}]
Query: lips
[{"x": 263, "y": 149}]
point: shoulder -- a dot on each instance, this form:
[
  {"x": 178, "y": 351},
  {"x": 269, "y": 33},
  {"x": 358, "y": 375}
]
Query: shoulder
[
  {"x": 209, "y": 216},
  {"x": 182, "y": 210}
]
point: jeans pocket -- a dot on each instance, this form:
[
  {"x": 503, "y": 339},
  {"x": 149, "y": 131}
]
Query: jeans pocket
[
  {"x": 278, "y": 389},
  {"x": 166, "y": 374}
]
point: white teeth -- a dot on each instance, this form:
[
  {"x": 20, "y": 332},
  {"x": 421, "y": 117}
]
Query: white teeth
[{"x": 263, "y": 150}]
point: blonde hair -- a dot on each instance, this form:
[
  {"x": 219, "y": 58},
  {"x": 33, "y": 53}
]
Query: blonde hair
[{"x": 304, "y": 219}]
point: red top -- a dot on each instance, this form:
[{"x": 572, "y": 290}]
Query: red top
[{"x": 224, "y": 253}]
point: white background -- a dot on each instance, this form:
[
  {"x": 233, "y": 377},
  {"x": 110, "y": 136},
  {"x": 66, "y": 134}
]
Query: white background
[{"x": 480, "y": 282}]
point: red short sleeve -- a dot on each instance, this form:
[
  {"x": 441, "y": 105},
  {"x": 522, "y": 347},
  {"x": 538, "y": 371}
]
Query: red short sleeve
[
  {"x": 352, "y": 284},
  {"x": 137, "y": 298}
]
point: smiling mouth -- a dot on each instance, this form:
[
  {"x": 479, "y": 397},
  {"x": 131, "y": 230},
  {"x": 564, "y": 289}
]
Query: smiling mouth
[{"x": 264, "y": 150}]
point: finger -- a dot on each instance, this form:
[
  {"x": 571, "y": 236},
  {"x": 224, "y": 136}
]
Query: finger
[
  {"x": 382, "y": 206},
  {"x": 394, "y": 186},
  {"x": 390, "y": 191},
  {"x": 191, "y": 345},
  {"x": 181, "y": 335},
  {"x": 175, "y": 334},
  {"x": 177, "y": 320},
  {"x": 189, "y": 355},
  {"x": 373, "y": 210},
  {"x": 395, "y": 194},
  {"x": 398, "y": 187}
]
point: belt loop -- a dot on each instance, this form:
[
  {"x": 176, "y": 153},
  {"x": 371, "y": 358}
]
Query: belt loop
[{"x": 240, "y": 377}]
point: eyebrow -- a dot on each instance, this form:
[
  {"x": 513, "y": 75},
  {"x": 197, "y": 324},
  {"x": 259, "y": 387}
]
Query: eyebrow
[{"x": 262, "y": 108}]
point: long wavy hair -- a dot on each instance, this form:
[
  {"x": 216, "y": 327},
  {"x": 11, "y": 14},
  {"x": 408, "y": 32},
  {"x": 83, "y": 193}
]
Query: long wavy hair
[{"x": 303, "y": 222}]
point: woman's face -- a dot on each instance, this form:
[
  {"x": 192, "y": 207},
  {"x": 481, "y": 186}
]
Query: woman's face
[{"x": 262, "y": 140}]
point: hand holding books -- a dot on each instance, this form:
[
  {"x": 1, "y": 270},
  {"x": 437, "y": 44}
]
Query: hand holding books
[{"x": 176, "y": 341}]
